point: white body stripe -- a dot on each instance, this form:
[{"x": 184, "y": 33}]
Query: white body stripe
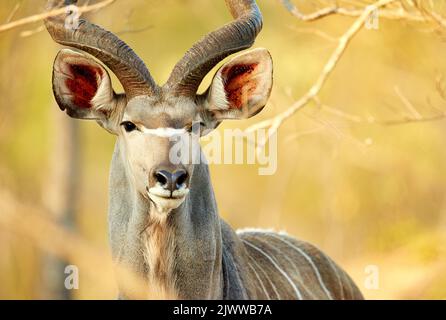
[
  {"x": 296, "y": 270},
  {"x": 257, "y": 276},
  {"x": 316, "y": 271},
  {"x": 266, "y": 276},
  {"x": 260, "y": 280},
  {"x": 298, "y": 294},
  {"x": 337, "y": 275}
]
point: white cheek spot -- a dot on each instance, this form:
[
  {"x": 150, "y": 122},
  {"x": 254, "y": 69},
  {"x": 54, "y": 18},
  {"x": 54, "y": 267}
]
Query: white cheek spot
[{"x": 164, "y": 132}]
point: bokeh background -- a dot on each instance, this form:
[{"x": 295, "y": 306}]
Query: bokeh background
[{"x": 354, "y": 177}]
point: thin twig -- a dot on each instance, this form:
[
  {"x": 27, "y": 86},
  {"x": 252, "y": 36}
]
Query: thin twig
[
  {"x": 52, "y": 13},
  {"x": 342, "y": 114},
  {"x": 407, "y": 120},
  {"x": 408, "y": 104},
  {"x": 131, "y": 30},
  {"x": 13, "y": 12},
  {"x": 399, "y": 14},
  {"x": 28, "y": 33}
]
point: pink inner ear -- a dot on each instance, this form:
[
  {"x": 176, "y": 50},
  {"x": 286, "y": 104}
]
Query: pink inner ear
[
  {"x": 84, "y": 84},
  {"x": 238, "y": 83}
]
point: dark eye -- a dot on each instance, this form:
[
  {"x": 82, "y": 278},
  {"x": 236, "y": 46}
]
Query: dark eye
[{"x": 128, "y": 126}]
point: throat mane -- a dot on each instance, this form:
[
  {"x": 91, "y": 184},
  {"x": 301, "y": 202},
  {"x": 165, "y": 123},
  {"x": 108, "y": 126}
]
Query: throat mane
[{"x": 159, "y": 248}]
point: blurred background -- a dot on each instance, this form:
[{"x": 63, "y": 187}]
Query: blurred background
[{"x": 362, "y": 174}]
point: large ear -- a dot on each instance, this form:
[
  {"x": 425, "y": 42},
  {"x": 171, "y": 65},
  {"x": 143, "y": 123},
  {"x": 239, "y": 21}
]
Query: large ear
[
  {"x": 241, "y": 87},
  {"x": 82, "y": 87}
]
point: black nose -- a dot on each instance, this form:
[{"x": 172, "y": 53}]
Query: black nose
[{"x": 171, "y": 181}]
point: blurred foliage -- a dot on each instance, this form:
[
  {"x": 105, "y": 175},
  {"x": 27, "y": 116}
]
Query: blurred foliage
[{"x": 366, "y": 193}]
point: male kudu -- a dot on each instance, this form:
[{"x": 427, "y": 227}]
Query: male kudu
[{"x": 163, "y": 217}]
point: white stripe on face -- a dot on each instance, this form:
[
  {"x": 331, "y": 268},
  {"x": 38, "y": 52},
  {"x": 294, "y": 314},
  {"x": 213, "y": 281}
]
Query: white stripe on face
[{"x": 164, "y": 132}]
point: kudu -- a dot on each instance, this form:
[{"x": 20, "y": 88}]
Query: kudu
[{"x": 163, "y": 217}]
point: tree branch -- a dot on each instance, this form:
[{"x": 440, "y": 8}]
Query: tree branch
[
  {"x": 274, "y": 123},
  {"x": 52, "y": 13},
  {"x": 396, "y": 14},
  {"x": 399, "y": 11}
]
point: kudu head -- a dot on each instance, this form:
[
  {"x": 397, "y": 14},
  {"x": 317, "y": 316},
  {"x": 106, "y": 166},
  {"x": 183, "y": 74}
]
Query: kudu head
[{"x": 146, "y": 116}]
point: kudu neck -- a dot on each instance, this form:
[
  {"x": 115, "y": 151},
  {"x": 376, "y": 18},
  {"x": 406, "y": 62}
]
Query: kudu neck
[
  {"x": 180, "y": 258},
  {"x": 183, "y": 253}
]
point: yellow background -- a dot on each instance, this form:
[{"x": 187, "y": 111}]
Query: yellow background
[{"x": 367, "y": 193}]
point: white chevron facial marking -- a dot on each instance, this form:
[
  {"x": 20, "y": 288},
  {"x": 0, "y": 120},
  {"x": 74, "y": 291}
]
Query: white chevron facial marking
[{"x": 164, "y": 132}]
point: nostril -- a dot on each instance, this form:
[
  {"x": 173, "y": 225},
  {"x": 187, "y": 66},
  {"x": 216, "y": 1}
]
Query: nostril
[
  {"x": 170, "y": 181},
  {"x": 181, "y": 177},
  {"x": 161, "y": 178}
]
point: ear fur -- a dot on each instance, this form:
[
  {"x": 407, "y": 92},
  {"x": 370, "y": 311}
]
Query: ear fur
[
  {"x": 241, "y": 87},
  {"x": 82, "y": 86}
]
